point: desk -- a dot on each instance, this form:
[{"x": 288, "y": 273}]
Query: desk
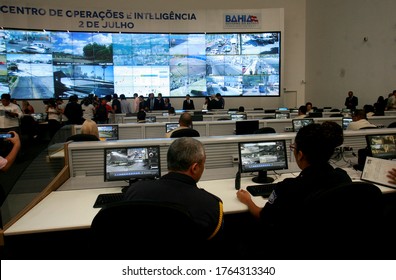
[{"x": 71, "y": 207}]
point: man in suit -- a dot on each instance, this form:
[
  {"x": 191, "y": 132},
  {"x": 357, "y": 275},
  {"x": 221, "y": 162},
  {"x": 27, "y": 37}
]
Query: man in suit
[
  {"x": 351, "y": 101},
  {"x": 188, "y": 104}
]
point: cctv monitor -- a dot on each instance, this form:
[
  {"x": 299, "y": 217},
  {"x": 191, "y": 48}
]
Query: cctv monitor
[
  {"x": 382, "y": 145},
  {"x": 345, "y": 122},
  {"x": 196, "y": 118},
  {"x": 246, "y": 127},
  {"x": 298, "y": 123},
  {"x": 262, "y": 156},
  {"x": 283, "y": 109},
  {"x": 151, "y": 119},
  {"x": 171, "y": 126},
  {"x": 108, "y": 132},
  {"x": 238, "y": 117},
  {"x": 282, "y": 115},
  {"x": 132, "y": 163},
  {"x": 315, "y": 114}
]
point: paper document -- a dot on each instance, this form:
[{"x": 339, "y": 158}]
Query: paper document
[{"x": 376, "y": 171}]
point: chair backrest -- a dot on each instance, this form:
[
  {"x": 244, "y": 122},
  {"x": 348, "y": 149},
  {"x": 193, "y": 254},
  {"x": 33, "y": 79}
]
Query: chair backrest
[
  {"x": 144, "y": 230},
  {"x": 344, "y": 221},
  {"x": 186, "y": 132},
  {"x": 264, "y": 130},
  {"x": 392, "y": 125},
  {"x": 82, "y": 137}
]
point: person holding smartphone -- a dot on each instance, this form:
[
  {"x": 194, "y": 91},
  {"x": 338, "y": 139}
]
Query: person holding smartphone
[{"x": 7, "y": 161}]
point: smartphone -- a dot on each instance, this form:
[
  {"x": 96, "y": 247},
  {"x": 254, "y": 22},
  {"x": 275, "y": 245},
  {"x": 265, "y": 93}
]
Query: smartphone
[{"x": 6, "y": 135}]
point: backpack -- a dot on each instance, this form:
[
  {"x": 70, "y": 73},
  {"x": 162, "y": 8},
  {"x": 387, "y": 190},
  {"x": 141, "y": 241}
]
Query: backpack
[{"x": 101, "y": 113}]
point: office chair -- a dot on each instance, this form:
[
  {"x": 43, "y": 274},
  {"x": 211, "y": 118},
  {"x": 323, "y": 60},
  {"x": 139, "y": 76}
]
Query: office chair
[
  {"x": 145, "y": 230},
  {"x": 342, "y": 222},
  {"x": 82, "y": 137},
  {"x": 186, "y": 132},
  {"x": 392, "y": 125},
  {"x": 265, "y": 130}
]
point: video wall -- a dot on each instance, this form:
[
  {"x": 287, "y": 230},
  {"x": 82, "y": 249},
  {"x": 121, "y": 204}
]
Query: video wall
[{"x": 43, "y": 64}]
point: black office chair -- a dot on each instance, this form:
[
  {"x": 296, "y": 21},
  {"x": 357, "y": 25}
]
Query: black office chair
[
  {"x": 145, "y": 230},
  {"x": 342, "y": 222},
  {"x": 186, "y": 132},
  {"x": 392, "y": 125},
  {"x": 265, "y": 130},
  {"x": 82, "y": 137}
]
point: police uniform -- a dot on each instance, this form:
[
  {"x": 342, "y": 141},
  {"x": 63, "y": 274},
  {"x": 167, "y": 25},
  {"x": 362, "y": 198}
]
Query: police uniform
[{"x": 205, "y": 208}]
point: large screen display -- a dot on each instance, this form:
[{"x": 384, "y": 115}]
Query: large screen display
[{"x": 43, "y": 64}]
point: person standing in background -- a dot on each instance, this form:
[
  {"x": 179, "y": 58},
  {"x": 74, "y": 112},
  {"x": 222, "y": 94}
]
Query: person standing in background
[
  {"x": 351, "y": 101},
  {"x": 126, "y": 107},
  {"x": 9, "y": 114},
  {"x": 116, "y": 104},
  {"x": 188, "y": 104},
  {"x": 27, "y": 108},
  {"x": 136, "y": 102},
  {"x": 88, "y": 109},
  {"x": 391, "y": 104}
]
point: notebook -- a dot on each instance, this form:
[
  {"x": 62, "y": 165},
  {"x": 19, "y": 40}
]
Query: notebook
[{"x": 376, "y": 169}]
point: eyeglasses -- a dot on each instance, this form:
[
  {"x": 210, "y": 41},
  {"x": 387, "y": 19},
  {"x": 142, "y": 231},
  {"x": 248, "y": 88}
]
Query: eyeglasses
[{"x": 292, "y": 147}]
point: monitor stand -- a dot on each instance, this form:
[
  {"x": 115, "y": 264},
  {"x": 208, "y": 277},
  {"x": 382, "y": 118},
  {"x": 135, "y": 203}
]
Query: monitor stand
[{"x": 262, "y": 178}]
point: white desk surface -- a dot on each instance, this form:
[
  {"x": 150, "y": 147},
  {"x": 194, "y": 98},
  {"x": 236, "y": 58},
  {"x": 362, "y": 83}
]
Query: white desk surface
[{"x": 71, "y": 207}]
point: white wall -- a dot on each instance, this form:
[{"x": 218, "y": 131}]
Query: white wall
[
  {"x": 294, "y": 37},
  {"x": 337, "y": 57}
]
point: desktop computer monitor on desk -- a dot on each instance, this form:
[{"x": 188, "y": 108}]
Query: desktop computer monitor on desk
[
  {"x": 108, "y": 132},
  {"x": 299, "y": 123},
  {"x": 122, "y": 164},
  {"x": 382, "y": 146},
  {"x": 262, "y": 156}
]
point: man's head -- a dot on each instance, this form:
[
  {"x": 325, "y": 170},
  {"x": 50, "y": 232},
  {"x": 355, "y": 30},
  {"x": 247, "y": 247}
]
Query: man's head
[
  {"x": 315, "y": 143},
  {"x": 187, "y": 96},
  {"x": 350, "y": 93},
  {"x": 187, "y": 155},
  {"x": 5, "y": 99},
  {"x": 122, "y": 96},
  {"x": 185, "y": 120},
  {"x": 302, "y": 110},
  {"x": 358, "y": 115}
]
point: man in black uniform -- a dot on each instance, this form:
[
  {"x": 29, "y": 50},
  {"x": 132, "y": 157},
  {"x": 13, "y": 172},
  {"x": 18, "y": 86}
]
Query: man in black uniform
[{"x": 186, "y": 163}]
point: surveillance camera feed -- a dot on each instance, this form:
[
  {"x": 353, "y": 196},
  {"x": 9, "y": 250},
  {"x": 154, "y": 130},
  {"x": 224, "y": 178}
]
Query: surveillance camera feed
[
  {"x": 51, "y": 64},
  {"x": 382, "y": 146},
  {"x": 132, "y": 163},
  {"x": 262, "y": 156},
  {"x": 108, "y": 132},
  {"x": 299, "y": 123}
]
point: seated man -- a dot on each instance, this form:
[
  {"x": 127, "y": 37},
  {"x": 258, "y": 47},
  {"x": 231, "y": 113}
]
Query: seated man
[
  {"x": 186, "y": 163},
  {"x": 185, "y": 123},
  {"x": 89, "y": 132},
  {"x": 359, "y": 121}
]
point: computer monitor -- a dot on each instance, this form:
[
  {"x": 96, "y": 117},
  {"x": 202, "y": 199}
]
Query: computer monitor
[
  {"x": 132, "y": 163},
  {"x": 171, "y": 126},
  {"x": 283, "y": 109},
  {"x": 246, "y": 127},
  {"x": 345, "y": 122},
  {"x": 108, "y": 132},
  {"x": 315, "y": 115},
  {"x": 382, "y": 145},
  {"x": 262, "y": 156},
  {"x": 232, "y": 111},
  {"x": 238, "y": 117},
  {"x": 299, "y": 123},
  {"x": 151, "y": 119},
  {"x": 282, "y": 115},
  {"x": 197, "y": 118},
  {"x": 165, "y": 114}
]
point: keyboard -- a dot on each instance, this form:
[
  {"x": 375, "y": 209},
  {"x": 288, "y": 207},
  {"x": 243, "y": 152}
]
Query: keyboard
[
  {"x": 108, "y": 198},
  {"x": 264, "y": 190}
]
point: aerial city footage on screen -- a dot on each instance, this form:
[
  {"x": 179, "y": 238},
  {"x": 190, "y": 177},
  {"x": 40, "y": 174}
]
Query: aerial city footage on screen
[{"x": 61, "y": 64}]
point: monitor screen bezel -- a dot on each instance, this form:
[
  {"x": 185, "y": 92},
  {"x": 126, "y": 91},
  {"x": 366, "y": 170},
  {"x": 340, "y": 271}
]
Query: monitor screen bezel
[
  {"x": 168, "y": 123},
  {"x": 126, "y": 178},
  {"x": 311, "y": 120},
  {"x": 109, "y": 125},
  {"x": 369, "y": 146},
  {"x": 237, "y": 123},
  {"x": 284, "y": 167}
]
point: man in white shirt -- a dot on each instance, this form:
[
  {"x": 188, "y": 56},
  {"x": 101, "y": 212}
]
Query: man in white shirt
[
  {"x": 359, "y": 121},
  {"x": 9, "y": 114}
]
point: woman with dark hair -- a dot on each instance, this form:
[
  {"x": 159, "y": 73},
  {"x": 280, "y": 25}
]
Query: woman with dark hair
[{"x": 284, "y": 212}]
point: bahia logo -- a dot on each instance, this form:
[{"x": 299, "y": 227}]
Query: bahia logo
[{"x": 247, "y": 19}]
